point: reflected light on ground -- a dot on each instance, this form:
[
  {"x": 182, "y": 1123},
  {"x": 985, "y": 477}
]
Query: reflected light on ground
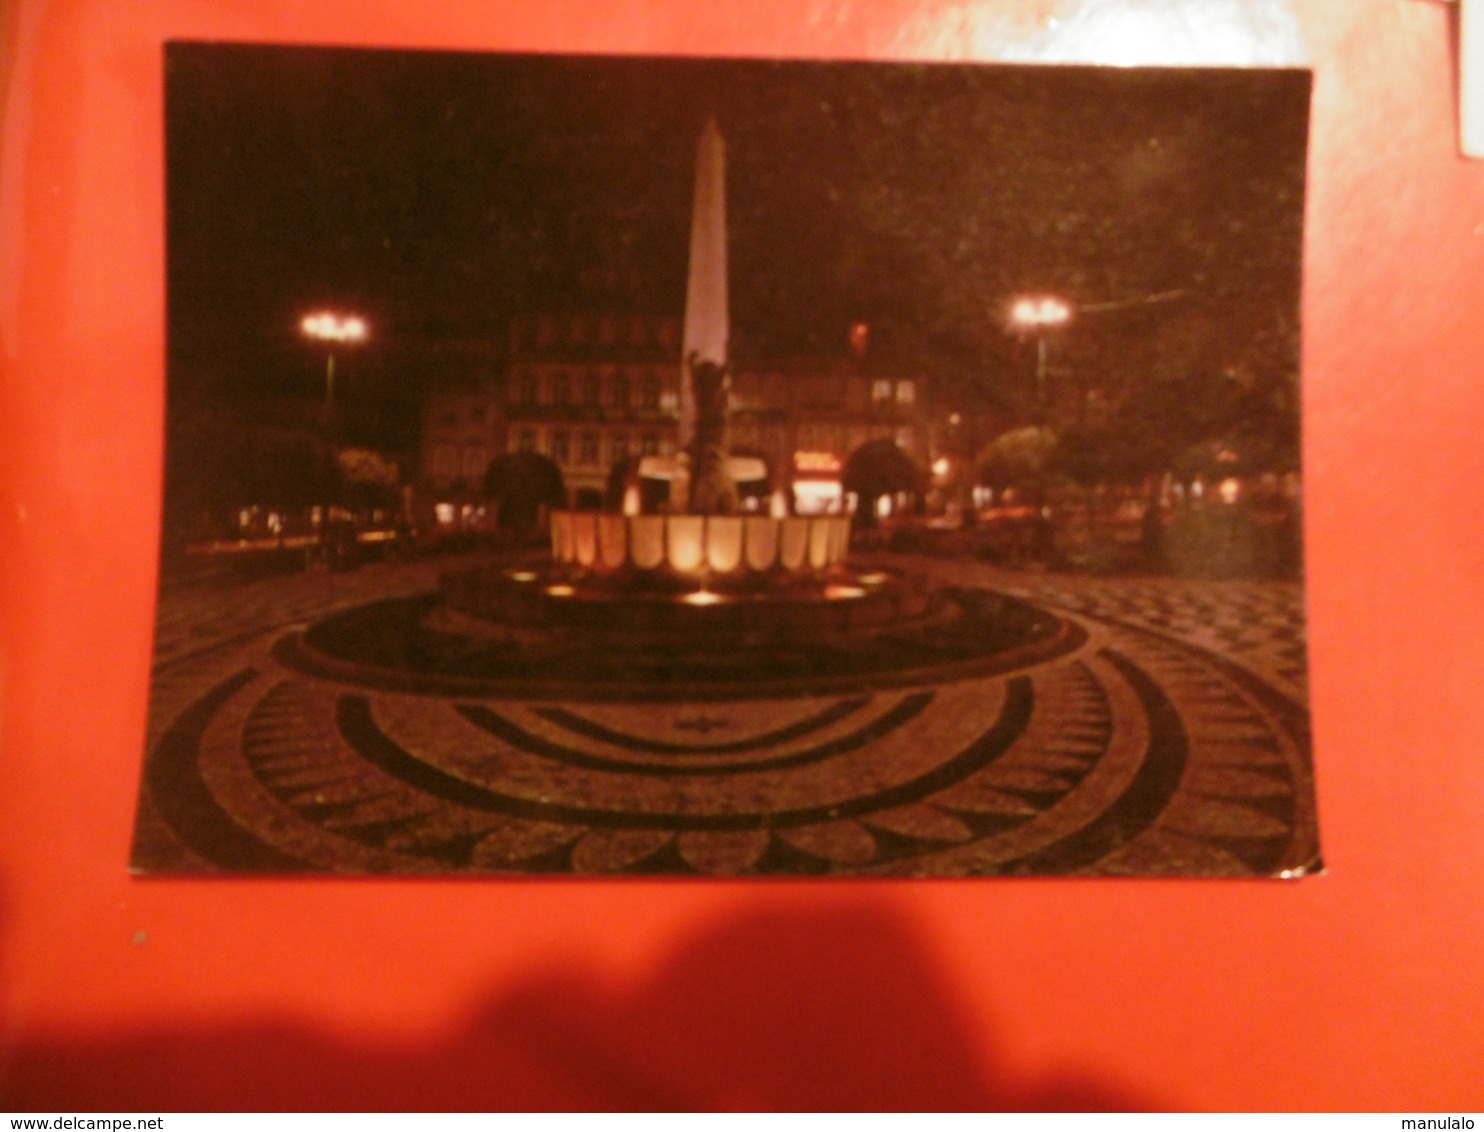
[{"x": 702, "y": 597}]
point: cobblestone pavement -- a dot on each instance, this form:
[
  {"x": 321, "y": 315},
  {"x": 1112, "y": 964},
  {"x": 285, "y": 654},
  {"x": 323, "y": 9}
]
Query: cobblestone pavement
[{"x": 1168, "y": 736}]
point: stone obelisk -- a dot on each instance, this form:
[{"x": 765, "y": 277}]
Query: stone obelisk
[{"x": 703, "y": 364}]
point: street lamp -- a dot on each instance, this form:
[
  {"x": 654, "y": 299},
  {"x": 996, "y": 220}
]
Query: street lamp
[
  {"x": 1037, "y": 315},
  {"x": 333, "y": 329}
]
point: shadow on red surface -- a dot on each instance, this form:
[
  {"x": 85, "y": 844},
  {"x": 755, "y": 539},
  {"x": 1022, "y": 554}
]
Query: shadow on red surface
[{"x": 774, "y": 1008}]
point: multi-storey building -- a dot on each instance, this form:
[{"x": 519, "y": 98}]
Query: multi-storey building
[
  {"x": 590, "y": 390},
  {"x": 463, "y": 420},
  {"x": 462, "y": 431},
  {"x": 806, "y": 416}
]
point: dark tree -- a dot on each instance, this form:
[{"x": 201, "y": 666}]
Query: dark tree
[
  {"x": 1097, "y": 454},
  {"x": 217, "y": 463},
  {"x": 877, "y": 468},
  {"x": 521, "y": 483},
  {"x": 1162, "y": 421},
  {"x": 1019, "y": 456}
]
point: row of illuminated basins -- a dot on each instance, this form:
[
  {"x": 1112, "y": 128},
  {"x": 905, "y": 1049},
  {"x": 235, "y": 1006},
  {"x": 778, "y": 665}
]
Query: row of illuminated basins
[{"x": 693, "y": 544}]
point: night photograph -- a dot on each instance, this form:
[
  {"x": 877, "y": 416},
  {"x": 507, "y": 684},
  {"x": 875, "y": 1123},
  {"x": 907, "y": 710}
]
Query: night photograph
[{"x": 729, "y": 467}]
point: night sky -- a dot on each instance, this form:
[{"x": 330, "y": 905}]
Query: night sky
[{"x": 438, "y": 194}]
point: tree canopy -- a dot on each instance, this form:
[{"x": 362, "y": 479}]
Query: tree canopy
[
  {"x": 881, "y": 467},
  {"x": 521, "y": 483},
  {"x": 1017, "y": 456}
]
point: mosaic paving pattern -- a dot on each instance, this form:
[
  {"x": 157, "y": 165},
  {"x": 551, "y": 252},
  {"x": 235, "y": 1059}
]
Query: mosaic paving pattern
[{"x": 1171, "y": 739}]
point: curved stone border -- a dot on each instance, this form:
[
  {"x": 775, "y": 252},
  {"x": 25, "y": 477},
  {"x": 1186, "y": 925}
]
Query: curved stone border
[{"x": 557, "y": 675}]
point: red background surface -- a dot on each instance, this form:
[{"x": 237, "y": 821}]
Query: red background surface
[{"x": 1362, "y": 988}]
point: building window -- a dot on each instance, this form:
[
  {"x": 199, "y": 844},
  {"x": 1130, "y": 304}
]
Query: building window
[
  {"x": 649, "y": 391},
  {"x": 592, "y": 388},
  {"x": 906, "y": 393},
  {"x": 587, "y": 448},
  {"x": 638, "y": 330},
  {"x": 620, "y": 390},
  {"x": 619, "y": 447},
  {"x": 473, "y": 462},
  {"x": 650, "y": 445},
  {"x": 560, "y": 389},
  {"x": 525, "y": 440},
  {"x": 775, "y": 391},
  {"x": 560, "y": 446},
  {"x": 523, "y": 392},
  {"x": 880, "y": 392},
  {"x": 445, "y": 462}
]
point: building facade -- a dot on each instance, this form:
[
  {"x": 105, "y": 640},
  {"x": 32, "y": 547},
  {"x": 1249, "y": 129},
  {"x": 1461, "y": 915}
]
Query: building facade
[
  {"x": 592, "y": 390},
  {"x": 463, "y": 419},
  {"x": 462, "y": 431},
  {"x": 806, "y": 416}
]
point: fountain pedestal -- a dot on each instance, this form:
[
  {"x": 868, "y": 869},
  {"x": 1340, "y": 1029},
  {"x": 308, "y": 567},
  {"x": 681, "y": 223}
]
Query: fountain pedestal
[{"x": 742, "y": 579}]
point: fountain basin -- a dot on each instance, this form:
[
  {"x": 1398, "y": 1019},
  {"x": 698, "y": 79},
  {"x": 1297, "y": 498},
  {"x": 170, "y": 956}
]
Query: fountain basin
[{"x": 634, "y": 605}]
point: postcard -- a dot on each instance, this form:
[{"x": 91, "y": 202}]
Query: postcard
[{"x": 603, "y": 466}]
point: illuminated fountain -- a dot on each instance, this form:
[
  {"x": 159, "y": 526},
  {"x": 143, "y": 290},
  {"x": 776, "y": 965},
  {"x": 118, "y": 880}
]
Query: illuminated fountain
[
  {"x": 702, "y": 537},
  {"x": 697, "y": 598},
  {"x": 699, "y": 564}
]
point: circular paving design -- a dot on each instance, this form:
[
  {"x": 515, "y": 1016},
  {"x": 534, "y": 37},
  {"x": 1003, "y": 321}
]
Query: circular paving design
[{"x": 1091, "y": 743}]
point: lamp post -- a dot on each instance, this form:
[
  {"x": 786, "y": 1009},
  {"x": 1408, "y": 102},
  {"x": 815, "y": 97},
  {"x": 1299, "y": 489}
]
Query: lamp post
[
  {"x": 331, "y": 329},
  {"x": 1038, "y": 315}
]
